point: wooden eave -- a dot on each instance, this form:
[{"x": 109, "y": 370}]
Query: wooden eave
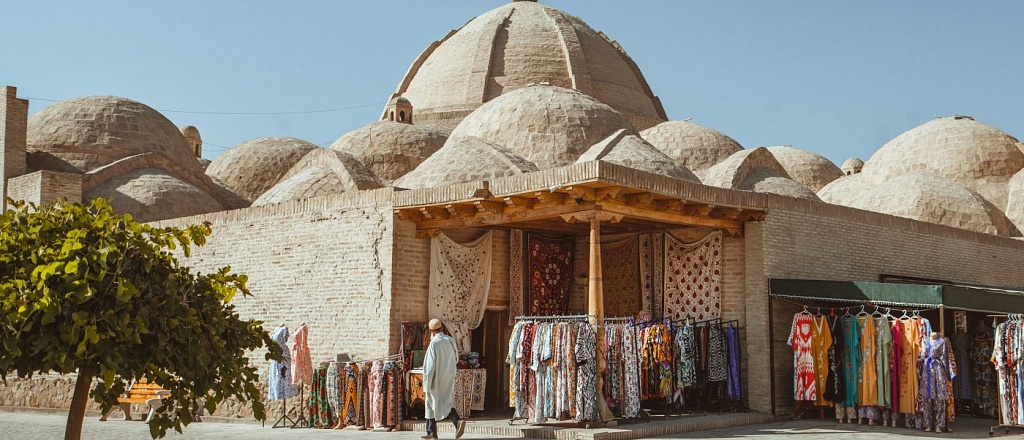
[{"x": 546, "y": 200}]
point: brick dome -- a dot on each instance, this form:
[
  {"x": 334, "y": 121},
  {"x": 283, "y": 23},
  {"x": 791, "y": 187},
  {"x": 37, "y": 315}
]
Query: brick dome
[
  {"x": 152, "y": 194},
  {"x": 252, "y": 167},
  {"x": 631, "y": 151},
  {"x": 390, "y": 149},
  {"x": 808, "y": 168},
  {"x": 547, "y": 125},
  {"x": 82, "y": 134},
  {"x": 320, "y": 172},
  {"x": 958, "y": 148},
  {"x": 693, "y": 146},
  {"x": 518, "y": 44},
  {"x": 465, "y": 159},
  {"x": 756, "y": 170}
]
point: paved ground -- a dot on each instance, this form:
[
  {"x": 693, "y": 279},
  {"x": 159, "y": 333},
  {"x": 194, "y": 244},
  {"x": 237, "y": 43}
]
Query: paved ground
[{"x": 31, "y": 426}]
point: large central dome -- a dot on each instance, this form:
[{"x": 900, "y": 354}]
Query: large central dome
[{"x": 519, "y": 44}]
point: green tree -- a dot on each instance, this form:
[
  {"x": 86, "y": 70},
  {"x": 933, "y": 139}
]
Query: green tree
[{"x": 84, "y": 289}]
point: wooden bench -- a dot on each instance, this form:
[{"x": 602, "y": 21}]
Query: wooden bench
[{"x": 140, "y": 392}]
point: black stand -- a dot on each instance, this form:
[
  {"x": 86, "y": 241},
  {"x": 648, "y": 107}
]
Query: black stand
[
  {"x": 284, "y": 420},
  {"x": 301, "y": 422}
]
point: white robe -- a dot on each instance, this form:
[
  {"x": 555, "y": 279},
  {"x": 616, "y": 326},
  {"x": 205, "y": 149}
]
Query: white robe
[{"x": 439, "y": 368}]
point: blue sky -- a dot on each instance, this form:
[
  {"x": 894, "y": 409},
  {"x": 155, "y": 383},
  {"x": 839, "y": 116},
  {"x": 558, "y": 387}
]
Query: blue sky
[{"x": 837, "y": 78}]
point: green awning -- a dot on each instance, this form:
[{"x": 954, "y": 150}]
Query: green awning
[{"x": 899, "y": 294}]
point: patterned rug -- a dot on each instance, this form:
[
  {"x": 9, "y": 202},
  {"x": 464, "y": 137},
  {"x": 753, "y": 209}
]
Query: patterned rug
[
  {"x": 550, "y": 262},
  {"x": 693, "y": 278},
  {"x": 516, "y": 280},
  {"x": 620, "y": 273}
]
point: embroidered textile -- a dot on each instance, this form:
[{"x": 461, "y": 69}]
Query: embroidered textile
[
  {"x": 541, "y": 358},
  {"x": 335, "y": 389},
  {"x": 800, "y": 335},
  {"x": 365, "y": 415},
  {"x": 986, "y": 398},
  {"x": 350, "y": 404},
  {"x": 376, "y": 380},
  {"x": 821, "y": 342},
  {"x": 911, "y": 348},
  {"x": 685, "y": 345},
  {"x": 391, "y": 389},
  {"x": 479, "y": 389},
  {"x": 513, "y": 369},
  {"x": 733, "y": 388},
  {"x": 658, "y": 253},
  {"x": 460, "y": 277},
  {"x": 883, "y": 373},
  {"x": 851, "y": 361},
  {"x": 835, "y": 388},
  {"x": 693, "y": 278},
  {"x": 586, "y": 382},
  {"x": 279, "y": 373},
  {"x": 632, "y": 378},
  {"x": 717, "y": 362},
  {"x": 646, "y": 272},
  {"x": 620, "y": 267},
  {"x": 550, "y": 262},
  {"x": 303, "y": 365},
  {"x": 867, "y": 386},
  {"x": 319, "y": 409},
  {"x": 516, "y": 279}
]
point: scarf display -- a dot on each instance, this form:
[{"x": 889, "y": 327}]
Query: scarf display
[
  {"x": 693, "y": 278},
  {"x": 460, "y": 278},
  {"x": 550, "y": 262}
]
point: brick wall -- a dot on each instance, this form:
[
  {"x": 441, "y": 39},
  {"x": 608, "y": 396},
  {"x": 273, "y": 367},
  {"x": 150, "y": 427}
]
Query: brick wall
[
  {"x": 27, "y": 187},
  {"x": 13, "y": 135}
]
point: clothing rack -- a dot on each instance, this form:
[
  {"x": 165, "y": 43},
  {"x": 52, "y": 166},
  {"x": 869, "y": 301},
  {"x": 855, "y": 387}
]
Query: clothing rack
[
  {"x": 1011, "y": 317},
  {"x": 554, "y": 317},
  {"x": 390, "y": 358}
]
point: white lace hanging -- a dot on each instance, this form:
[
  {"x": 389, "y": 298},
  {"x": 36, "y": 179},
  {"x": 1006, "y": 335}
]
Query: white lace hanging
[{"x": 460, "y": 278}]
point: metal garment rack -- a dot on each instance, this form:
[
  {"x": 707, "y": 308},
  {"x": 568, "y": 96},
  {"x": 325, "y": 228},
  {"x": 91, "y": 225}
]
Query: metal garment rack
[
  {"x": 549, "y": 318},
  {"x": 1018, "y": 318}
]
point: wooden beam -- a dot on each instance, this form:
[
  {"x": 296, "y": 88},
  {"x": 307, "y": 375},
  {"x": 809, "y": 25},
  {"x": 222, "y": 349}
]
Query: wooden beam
[
  {"x": 410, "y": 215},
  {"x": 581, "y": 193},
  {"x": 518, "y": 202},
  {"x": 698, "y": 209},
  {"x": 641, "y": 199},
  {"x": 490, "y": 207},
  {"x": 550, "y": 198},
  {"x": 460, "y": 210},
  {"x": 588, "y": 216},
  {"x": 609, "y": 193},
  {"x": 426, "y": 233},
  {"x": 504, "y": 218},
  {"x": 672, "y": 217},
  {"x": 434, "y": 212}
]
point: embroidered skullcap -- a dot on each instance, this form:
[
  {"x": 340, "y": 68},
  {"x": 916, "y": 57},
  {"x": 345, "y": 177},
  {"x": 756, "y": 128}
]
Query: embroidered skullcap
[{"x": 435, "y": 324}]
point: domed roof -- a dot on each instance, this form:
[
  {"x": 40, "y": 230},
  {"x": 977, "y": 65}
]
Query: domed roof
[
  {"x": 923, "y": 196},
  {"x": 465, "y": 159},
  {"x": 852, "y": 165},
  {"x": 755, "y": 170},
  {"x": 152, "y": 194},
  {"x": 632, "y": 151},
  {"x": 390, "y": 149},
  {"x": 319, "y": 173},
  {"x": 517, "y": 44},
  {"x": 693, "y": 146},
  {"x": 1015, "y": 200},
  {"x": 252, "y": 167},
  {"x": 809, "y": 168},
  {"x": 547, "y": 125},
  {"x": 81, "y": 134},
  {"x": 846, "y": 189},
  {"x": 957, "y": 148}
]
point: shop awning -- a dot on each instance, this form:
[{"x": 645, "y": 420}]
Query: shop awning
[{"x": 900, "y": 294}]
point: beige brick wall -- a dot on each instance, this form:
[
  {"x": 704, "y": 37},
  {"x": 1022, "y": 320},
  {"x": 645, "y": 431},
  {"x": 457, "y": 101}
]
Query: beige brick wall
[
  {"x": 13, "y": 133},
  {"x": 27, "y": 187},
  {"x": 45, "y": 187}
]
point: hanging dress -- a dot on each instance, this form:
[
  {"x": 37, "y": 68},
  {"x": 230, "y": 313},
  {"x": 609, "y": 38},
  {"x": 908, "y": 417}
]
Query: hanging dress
[
  {"x": 821, "y": 344},
  {"x": 835, "y": 388},
  {"x": 302, "y": 362},
  {"x": 883, "y": 371},
  {"x": 851, "y": 361},
  {"x": 279, "y": 374},
  {"x": 318, "y": 406},
  {"x": 896, "y": 364},
  {"x": 867, "y": 381},
  {"x": 933, "y": 391},
  {"x": 734, "y": 390},
  {"x": 632, "y": 374},
  {"x": 803, "y": 359},
  {"x": 911, "y": 343},
  {"x": 586, "y": 385}
]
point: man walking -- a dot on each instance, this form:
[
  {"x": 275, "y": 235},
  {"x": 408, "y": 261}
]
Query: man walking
[{"x": 439, "y": 368}]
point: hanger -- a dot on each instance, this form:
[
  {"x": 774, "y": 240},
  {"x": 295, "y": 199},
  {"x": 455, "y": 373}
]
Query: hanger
[
  {"x": 916, "y": 315},
  {"x": 818, "y": 313},
  {"x": 888, "y": 313},
  {"x": 904, "y": 314},
  {"x": 848, "y": 312},
  {"x": 805, "y": 312},
  {"x": 862, "y": 312},
  {"x": 831, "y": 311},
  {"x": 877, "y": 311}
]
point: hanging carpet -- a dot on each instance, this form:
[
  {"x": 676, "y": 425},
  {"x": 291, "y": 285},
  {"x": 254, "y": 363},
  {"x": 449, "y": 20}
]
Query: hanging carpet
[
  {"x": 516, "y": 280},
  {"x": 550, "y": 262},
  {"x": 693, "y": 278},
  {"x": 620, "y": 267}
]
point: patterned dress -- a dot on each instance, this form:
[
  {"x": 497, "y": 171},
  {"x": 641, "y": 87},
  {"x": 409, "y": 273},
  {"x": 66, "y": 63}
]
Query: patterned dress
[
  {"x": 717, "y": 362},
  {"x": 586, "y": 385},
  {"x": 335, "y": 385},
  {"x": 937, "y": 369},
  {"x": 632, "y": 377},
  {"x": 350, "y": 404},
  {"x": 851, "y": 361},
  {"x": 867, "y": 386},
  {"x": 821, "y": 343},
  {"x": 803, "y": 358},
  {"x": 303, "y": 367},
  {"x": 319, "y": 409},
  {"x": 686, "y": 373},
  {"x": 279, "y": 373},
  {"x": 908, "y": 365}
]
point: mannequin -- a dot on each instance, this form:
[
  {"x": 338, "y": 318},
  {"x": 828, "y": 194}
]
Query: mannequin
[{"x": 933, "y": 392}]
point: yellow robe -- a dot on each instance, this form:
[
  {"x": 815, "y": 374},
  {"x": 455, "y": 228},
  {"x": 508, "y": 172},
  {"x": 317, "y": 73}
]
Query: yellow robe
[
  {"x": 908, "y": 366},
  {"x": 821, "y": 340},
  {"x": 867, "y": 383}
]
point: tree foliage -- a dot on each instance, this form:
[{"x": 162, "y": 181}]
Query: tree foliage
[{"x": 84, "y": 289}]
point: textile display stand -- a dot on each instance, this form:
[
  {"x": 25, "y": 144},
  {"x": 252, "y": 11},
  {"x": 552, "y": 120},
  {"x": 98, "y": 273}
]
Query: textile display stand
[
  {"x": 284, "y": 420},
  {"x": 302, "y": 421},
  {"x": 1002, "y": 422},
  {"x": 557, "y": 318}
]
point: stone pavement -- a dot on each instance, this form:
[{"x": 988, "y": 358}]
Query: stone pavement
[{"x": 35, "y": 425}]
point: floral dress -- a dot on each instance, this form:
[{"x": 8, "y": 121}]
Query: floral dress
[
  {"x": 279, "y": 383},
  {"x": 803, "y": 358}
]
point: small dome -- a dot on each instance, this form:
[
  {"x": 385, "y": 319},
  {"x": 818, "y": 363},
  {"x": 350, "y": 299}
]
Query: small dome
[
  {"x": 82, "y": 134},
  {"x": 252, "y": 167},
  {"x": 957, "y": 148},
  {"x": 465, "y": 159},
  {"x": 852, "y": 165},
  {"x": 152, "y": 194},
  {"x": 693, "y": 146},
  {"x": 755, "y": 170},
  {"x": 926, "y": 197},
  {"x": 390, "y": 149},
  {"x": 195, "y": 142},
  {"x": 319, "y": 173},
  {"x": 810, "y": 169},
  {"x": 631, "y": 151},
  {"x": 513, "y": 46},
  {"x": 549, "y": 126},
  {"x": 846, "y": 189}
]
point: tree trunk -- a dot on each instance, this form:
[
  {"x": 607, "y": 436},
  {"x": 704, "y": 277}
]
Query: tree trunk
[{"x": 76, "y": 415}]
